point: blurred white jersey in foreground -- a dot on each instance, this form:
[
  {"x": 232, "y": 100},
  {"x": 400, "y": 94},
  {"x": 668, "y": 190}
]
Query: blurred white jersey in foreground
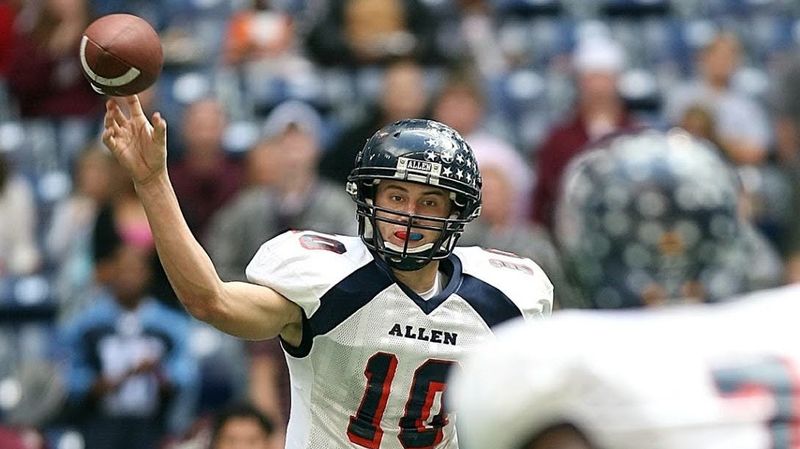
[{"x": 693, "y": 377}]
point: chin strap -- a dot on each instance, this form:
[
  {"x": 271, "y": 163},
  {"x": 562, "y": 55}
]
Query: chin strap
[{"x": 405, "y": 264}]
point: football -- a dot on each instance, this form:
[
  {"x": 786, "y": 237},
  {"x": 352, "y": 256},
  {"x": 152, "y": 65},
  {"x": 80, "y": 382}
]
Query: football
[{"x": 120, "y": 55}]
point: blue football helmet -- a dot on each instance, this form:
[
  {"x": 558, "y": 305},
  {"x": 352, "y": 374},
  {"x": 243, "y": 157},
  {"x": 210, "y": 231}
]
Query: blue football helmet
[
  {"x": 425, "y": 152},
  {"x": 649, "y": 217}
]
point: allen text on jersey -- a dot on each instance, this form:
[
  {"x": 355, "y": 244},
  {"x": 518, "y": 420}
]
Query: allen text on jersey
[{"x": 420, "y": 333}]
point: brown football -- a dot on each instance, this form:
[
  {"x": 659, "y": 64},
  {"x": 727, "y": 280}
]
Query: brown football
[{"x": 120, "y": 55}]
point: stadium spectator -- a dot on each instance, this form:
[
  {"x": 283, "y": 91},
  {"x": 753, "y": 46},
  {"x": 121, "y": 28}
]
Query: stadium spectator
[
  {"x": 242, "y": 426},
  {"x": 8, "y": 13},
  {"x": 403, "y": 95},
  {"x": 599, "y": 112},
  {"x": 698, "y": 121},
  {"x": 19, "y": 250},
  {"x": 68, "y": 241},
  {"x": 131, "y": 380},
  {"x": 475, "y": 38},
  {"x": 358, "y": 33},
  {"x": 296, "y": 199},
  {"x": 25, "y": 438},
  {"x": 260, "y": 167},
  {"x": 205, "y": 178},
  {"x": 262, "y": 43},
  {"x": 258, "y": 33},
  {"x": 45, "y": 69},
  {"x": 742, "y": 124}
]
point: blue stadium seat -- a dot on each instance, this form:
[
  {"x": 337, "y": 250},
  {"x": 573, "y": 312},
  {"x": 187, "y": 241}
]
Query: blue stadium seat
[
  {"x": 640, "y": 90},
  {"x": 528, "y": 8},
  {"x": 8, "y": 109},
  {"x": 525, "y": 100},
  {"x": 26, "y": 298},
  {"x": 635, "y": 8},
  {"x": 240, "y": 136}
]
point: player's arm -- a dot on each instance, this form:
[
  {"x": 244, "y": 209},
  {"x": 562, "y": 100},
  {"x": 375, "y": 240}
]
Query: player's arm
[{"x": 241, "y": 309}]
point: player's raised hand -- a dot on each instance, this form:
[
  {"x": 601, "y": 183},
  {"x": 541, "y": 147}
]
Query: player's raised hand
[{"x": 139, "y": 145}]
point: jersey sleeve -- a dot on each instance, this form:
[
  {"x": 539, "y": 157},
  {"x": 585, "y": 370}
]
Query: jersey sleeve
[
  {"x": 518, "y": 278},
  {"x": 303, "y": 265}
]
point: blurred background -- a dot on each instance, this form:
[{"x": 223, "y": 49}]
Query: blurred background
[{"x": 268, "y": 103}]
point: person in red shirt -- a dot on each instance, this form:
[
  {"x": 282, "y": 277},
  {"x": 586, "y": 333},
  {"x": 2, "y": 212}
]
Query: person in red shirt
[
  {"x": 205, "y": 178},
  {"x": 599, "y": 111},
  {"x": 44, "y": 69},
  {"x": 8, "y": 13}
]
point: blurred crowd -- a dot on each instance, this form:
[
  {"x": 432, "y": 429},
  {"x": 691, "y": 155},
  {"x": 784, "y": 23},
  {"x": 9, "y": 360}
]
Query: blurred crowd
[{"x": 268, "y": 103}]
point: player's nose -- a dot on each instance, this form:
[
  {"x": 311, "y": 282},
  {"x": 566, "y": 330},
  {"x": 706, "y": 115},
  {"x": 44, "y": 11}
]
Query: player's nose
[{"x": 408, "y": 208}]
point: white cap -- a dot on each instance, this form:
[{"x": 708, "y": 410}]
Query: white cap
[
  {"x": 598, "y": 54},
  {"x": 293, "y": 112}
]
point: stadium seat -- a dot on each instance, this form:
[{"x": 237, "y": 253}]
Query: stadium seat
[
  {"x": 635, "y": 8},
  {"x": 528, "y": 8}
]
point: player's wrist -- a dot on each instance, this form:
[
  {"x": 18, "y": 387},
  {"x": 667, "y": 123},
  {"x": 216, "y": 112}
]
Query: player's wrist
[{"x": 156, "y": 182}]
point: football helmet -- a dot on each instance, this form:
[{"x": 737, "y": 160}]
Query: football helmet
[
  {"x": 421, "y": 151},
  {"x": 648, "y": 217}
]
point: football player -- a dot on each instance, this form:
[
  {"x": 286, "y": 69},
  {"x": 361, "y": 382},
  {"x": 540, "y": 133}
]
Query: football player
[
  {"x": 371, "y": 326},
  {"x": 647, "y": 218},
  {"x": 700, "y": 376}
]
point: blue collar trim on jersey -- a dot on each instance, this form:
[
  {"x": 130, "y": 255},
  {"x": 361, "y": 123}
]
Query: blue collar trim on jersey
[
  {"x": 356, "y": 290},
  {"x": 451, "y": 266},
  {"x": 340, "y": 302}
]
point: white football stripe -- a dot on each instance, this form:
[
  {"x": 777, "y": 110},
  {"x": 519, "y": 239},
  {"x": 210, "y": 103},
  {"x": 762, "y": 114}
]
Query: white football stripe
[{"x": 121, "y": 80}]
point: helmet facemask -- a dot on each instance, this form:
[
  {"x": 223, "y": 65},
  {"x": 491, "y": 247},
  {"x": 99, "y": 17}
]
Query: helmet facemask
[{"x": 407, "y": 257}]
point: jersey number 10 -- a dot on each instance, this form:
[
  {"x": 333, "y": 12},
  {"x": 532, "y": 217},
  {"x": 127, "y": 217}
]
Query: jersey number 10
[{"x": 429, "y": 379}]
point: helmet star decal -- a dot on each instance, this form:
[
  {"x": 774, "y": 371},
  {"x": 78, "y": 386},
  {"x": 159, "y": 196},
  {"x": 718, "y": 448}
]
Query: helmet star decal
[{"x": 447, "y": 155}]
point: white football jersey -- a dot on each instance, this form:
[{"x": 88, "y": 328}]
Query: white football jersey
[
  {"x": 374, "y": 359},
  {"x": 695, "y": 377}
]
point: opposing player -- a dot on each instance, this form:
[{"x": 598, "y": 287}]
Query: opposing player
[
  {"x": 660, "y": 211},
  {"x": 696, "y": 376},
  {"x": 371, "y": 325},
  {"x": 648, "y": 218},
  {"x": 653, "y": 215}
]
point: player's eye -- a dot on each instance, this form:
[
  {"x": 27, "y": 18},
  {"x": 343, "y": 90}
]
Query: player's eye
[{"x": 396, "y": 198}]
